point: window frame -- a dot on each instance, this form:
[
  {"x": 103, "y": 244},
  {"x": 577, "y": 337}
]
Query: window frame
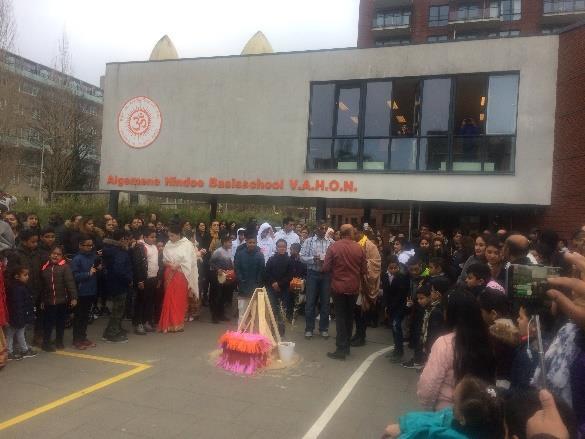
[
  {"x": 362, "y": 83},
  {"x": 439, "y": 21}
]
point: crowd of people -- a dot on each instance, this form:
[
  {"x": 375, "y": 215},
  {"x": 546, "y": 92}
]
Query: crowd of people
[{"x": 444, "y": 297}]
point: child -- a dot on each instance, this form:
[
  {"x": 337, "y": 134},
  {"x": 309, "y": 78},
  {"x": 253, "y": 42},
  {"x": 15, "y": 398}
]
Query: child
[
  {"x": 58, "y": 292},
  {"x": 526, "y": 356},
  {"x": 395, "y": 291},
  {"x": 418, "y": 278},
  {"x": 478, "y": 275},
  {"x": 47, "y": 243},
  {"x": 118, "y": 280},
  {"x": 85, "y": 266},
  {"x": 147, "y": 264},
  {"x": 477, "y": 413},
  {"x": 437, "y": 269},
  {"x": 20, "y": 313}
]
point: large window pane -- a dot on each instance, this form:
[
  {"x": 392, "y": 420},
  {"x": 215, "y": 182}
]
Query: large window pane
[
  {"x": 499, "y": 154},
  {"x": 502, "y": 104},
  {"x": 405, "y": 107},
  {"x": 378, "y": 103},
  {"x": 403, "y": 155},
  {"x": 346, "y": 153},
  {"x": 467, "y": 154},
  {"x": 433, "y": 154},
  {"x": 375, "y": 154},
  {"x": 470, "y": 105},
  {"x": 320, "y": 154},
  {"x": 348, "y": 111},
  {"x": 322, "y": 103},
  {"x": 435, "y": 111}
]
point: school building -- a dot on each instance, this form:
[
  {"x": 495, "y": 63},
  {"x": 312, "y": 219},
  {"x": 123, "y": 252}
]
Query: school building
[{"x": 473, "y": 134}]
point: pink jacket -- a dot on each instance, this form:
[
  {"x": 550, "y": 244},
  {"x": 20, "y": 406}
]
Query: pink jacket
[{"x": 437, "y": 381}]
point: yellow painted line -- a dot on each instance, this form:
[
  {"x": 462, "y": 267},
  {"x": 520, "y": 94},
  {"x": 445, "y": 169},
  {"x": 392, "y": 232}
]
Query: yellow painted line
[{"x": 137, "y": 368}]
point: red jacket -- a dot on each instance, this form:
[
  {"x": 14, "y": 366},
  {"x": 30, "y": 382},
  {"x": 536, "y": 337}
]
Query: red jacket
[{"x": 346, "y": 262}]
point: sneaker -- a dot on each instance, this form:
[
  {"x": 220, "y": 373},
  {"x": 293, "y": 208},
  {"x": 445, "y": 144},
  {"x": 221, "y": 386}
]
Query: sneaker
[
  {"x": 309, "y": 335},
  {"x": 396, "y": 357},
  {"x": 29, "y": 353},
  {"x": 14, "y": 356},
  {"x": 324, "y": 334},
  {"x": 89, "y": 343},
  {"x": 79, "y": 345},
  {"x": 48, "y": 347},
  {"x": 411, "y": 364},
  {"x": 139, "y": 329},
  {"x": 148, "y": 327},
  {"x": 59, "y": 345},
  {"x": 358, "y": 342},
  {"x": 120, "y": 338}
]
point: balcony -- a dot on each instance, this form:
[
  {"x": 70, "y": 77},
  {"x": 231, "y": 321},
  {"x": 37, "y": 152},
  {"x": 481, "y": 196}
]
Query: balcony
[
  {"x": 475, "y": 17},
  {"x": 387, "y": 24},
  {"x": 563, "y": 12}
]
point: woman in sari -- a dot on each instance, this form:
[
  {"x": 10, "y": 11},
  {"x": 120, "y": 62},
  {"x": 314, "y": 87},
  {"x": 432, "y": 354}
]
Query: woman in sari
[{"x": 180, "y": 278}]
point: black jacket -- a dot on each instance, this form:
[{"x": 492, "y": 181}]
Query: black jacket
[
  {"x": 279, "y": 269},
  {"x": 298, "y": 268},
  {"x": 395, "y": 293},
  {"x": 20, "y": 305},
  {"x": 139, "y": 263},
  {"x": 32, "y": 260},
  {"x": 58, "y": 284}
]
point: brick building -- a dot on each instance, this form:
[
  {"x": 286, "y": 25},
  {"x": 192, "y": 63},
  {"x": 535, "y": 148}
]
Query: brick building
[
  {"x": 30, "y": 98},
  {"x": 402, "y": 22},
  {"x": 567, "y": 210}
]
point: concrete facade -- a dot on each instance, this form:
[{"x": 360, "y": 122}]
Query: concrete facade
[{"x": 246, "y": 118}]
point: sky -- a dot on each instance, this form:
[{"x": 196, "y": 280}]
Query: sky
[{"x": 102, "y": 31}]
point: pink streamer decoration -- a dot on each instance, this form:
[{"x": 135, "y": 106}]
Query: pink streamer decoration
[{"x": 256, "y": 355}]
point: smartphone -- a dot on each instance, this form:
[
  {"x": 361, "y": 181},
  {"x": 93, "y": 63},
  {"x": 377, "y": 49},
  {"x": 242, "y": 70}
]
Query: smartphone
[{"x": 529, "y": 282}]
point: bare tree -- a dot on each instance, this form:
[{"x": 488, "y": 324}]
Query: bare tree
[
  {"x": 7, "y": 25},
  {"x": 9, "y": 97},
  {"x": 68, "y": 129}
]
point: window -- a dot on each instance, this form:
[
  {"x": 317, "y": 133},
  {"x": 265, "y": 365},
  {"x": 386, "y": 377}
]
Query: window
[
  {"x": 29, "y": 89},
  {"x": 505, "y": 34},
  {"x": 392, "y": 219},
  {"x": 456, "y": 123},
  {"x": 437, "y": 39},
  {"x": 467, "y": 36},
  {"x": 563, "y": 6},
  {"x": 397, "y": 41},
  {"x": 511, "y": 10},
  {"x": 438, "y": 16},
  {"x": 392, "y": 18}
]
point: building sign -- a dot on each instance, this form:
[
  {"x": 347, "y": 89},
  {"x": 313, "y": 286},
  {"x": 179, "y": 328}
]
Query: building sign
[
  {"x": 139, "y": 122},
  {"x": 233, "y": 185}
]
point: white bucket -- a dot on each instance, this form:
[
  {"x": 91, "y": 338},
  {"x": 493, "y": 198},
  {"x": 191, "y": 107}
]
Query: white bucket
[{"x": 286, "y": 350}]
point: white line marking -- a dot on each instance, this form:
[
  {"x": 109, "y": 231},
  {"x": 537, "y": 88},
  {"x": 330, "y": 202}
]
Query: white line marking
[{"x": 334, "y": 405}]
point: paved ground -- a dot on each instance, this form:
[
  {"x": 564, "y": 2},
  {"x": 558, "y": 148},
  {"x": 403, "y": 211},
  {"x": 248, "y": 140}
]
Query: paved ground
[{"x": 182, "y": 395}]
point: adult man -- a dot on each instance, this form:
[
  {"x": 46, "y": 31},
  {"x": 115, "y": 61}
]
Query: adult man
[
  {"x": 346, "y": 262},
  {"x": 516, "y": 250},
  {"x": 318, "y": 282},
  {"x": 369, "y": 289},
  {"x": 249, "y": 265},
  {"x": 287, "y": 233}
]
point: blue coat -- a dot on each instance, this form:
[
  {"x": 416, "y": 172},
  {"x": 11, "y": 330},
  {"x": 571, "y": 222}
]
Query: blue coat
[
  {"x": 429, "y": 425},
  {"x": 81, "y": 266},
  {"x": 118, "y": 268},
  {"x": 21, "y": 309}
]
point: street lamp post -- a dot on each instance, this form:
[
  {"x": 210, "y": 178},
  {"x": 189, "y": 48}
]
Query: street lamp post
[{"x": 41, "y": 175}]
